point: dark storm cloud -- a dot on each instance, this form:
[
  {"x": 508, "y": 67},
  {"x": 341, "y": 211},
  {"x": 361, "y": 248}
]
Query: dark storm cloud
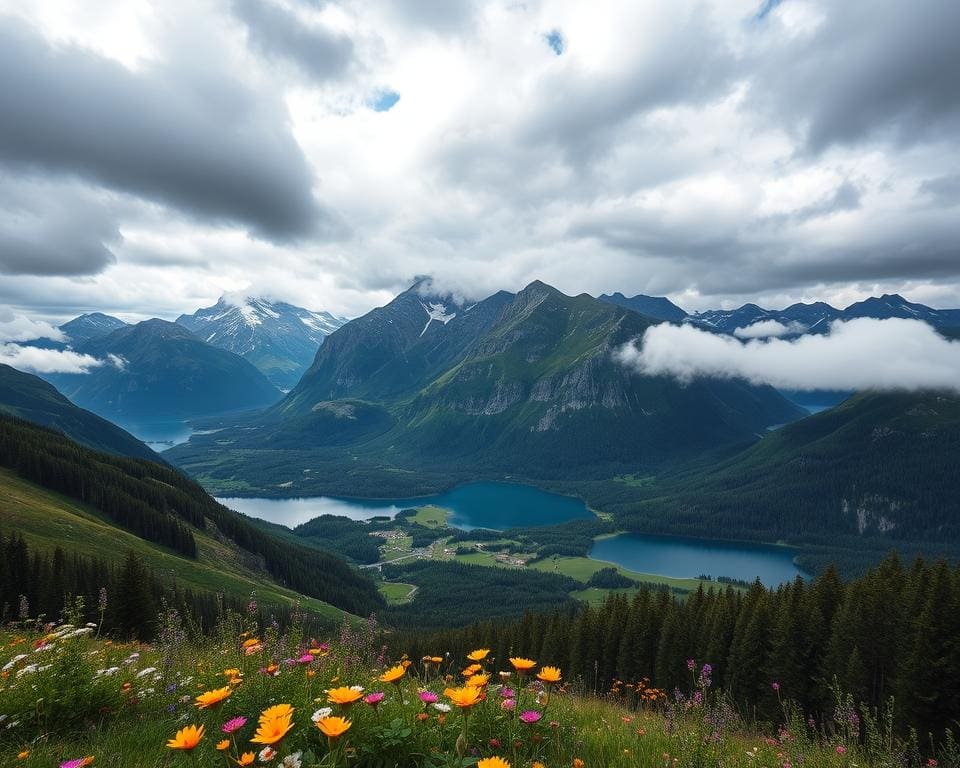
[
  {"x": 943, "y": 190},
  {"x": 278, "y": 33},
  {"x": 194, "y": 141},
  {"x": 53, "y": 229},
  {"x": 871, "y": 69},
  {"x": 846, "y": 197}
]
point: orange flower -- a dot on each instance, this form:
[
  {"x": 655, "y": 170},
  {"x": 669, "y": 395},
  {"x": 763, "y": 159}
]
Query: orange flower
[
  {"x": 478, "y": 655},
  {"x": 464, "y": 697},
  {"x": 477, "y": 681},
  {"x": 251, "y": 642},
  {"x": 271, "y": 731},
  {"x": 493, "y": 762},
  {"x": 549, "y": 674},
  {"x": 522, "y": 665},
  {"x": 23, "y": 755},
  {"x": 223, "y": 746},
  {"x": 276, "y": 711},
  {"x": 393, "y": 674},
  {"x": 246, "y": 758},
  {"x": 214, "y": 697},
  {"x": 578, "y": 763},
  {"x": 231, "y": 672},
  {"x": 187, "y": 738},
  {"x": 333, "y": 727},
  {"x": 422, "y": 716},
  {"x": 343, "y": 696},
  {"x": 472, "y": 670}
]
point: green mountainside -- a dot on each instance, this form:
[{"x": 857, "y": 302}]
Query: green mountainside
[
  {"x": 878, "y": 468},
  {"x": 33, "y": 399},
  {"x": 414, "y": 394},
  {"x": 58, "y": 493}
]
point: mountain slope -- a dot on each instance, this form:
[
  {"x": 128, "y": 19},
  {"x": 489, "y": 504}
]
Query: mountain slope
[
  {"x": 522, "y": 386},
  {"x": 94, "y": 325},
  {"x": 33, "y": 399},
  {"x": 159, "y": 369},
  {"x": 164, "y": 511},
  {"x": 657, "y": 307},
  {"x": 280, "y": 339},
  {"x": 878, "y": 466}
]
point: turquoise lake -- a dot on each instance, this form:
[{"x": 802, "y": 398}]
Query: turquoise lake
[
  {"x": 473, "y": 505},
  {"x": 680, "y": 557}
]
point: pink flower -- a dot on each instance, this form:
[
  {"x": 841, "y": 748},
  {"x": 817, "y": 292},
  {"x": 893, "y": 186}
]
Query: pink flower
[
  {"x": 373, "y": 698},
  {"x": 530, "y": 716},
  {"x": 775, "y": 686},
  {"x": 508, "y": 693},
  {"x": 233, "y": 725},
  {"x": 80, "y": 761},
  {"x": 429, "y": 697},
  {"x": 841, "y": 750},
  {"x": 495, "y": 744},
  {"x": 691, "y": 664},
  {"x": 305, "y": 659},
  {"x": 508, "y": 705}
]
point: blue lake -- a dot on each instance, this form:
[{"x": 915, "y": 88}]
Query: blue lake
[
  {"x": 680, "y": 557},
  {"x": 473, "y": 505},
  {"x": 159, "y": 435}
]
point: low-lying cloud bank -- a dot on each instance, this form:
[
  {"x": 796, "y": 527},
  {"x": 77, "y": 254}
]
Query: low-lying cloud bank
[
  {"x": 857, "y": 354},
  {"x": 37, "y": 360},
  {"x": 766, "y": 328}
]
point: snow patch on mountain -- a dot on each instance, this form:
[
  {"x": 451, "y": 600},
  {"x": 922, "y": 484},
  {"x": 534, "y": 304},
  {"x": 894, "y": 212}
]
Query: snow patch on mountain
[{"x": 436, "y": 311}]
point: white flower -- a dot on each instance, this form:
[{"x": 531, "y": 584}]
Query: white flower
[
  {"x": 267, "y": 754},
  {"x": 292, "y": 761},
  {"x": 27, "y": 670},
  {"x": 14, "y": 660},
  {"x": 147, "y": 671},
  {"x": 322, "y": 713},
  {"x": 440, "y": 706},
  {"x": 358, "y": 688}
]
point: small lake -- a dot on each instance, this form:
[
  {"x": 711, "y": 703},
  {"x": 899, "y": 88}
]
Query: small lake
[
  {"x": 680, "y": 557},
  {"x": 474, "y": 505},
  {"x": 159, "y": 435}
]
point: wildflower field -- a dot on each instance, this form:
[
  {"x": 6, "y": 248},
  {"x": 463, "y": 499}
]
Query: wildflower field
[{"x": 261, "y": 696}]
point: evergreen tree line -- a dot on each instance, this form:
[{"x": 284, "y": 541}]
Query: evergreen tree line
[
  {"x": 159, "y": 504},
  {"x": 127, "y": 596},
  {"x": 64, "y": 466},
  {"x": 895, "y": 632}
]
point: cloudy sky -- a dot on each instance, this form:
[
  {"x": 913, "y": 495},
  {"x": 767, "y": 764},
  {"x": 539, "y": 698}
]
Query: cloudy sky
[{"x": 154, "y": 155}]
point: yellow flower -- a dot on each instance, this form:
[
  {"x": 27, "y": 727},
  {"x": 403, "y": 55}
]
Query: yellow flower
[
  {"x": 538, "y": 764},
  {"x": 522, "y": 665},
  {"x": 223, "y": 746},
  {"x": 277, "y": 710},
  {"x": 246, "y": 758},
  {"x": 393, "y": 674},
  {"x": 186, "y": 738},
  {"x": 333, "y": 727},
  {"x": 464, "y": 697},
  {"x": 343, "y": 695},
  {"x": 231, "y": 672},
  {"x": 549, "y": 674},
  {"x": 214, "y": 697},
  {"x": 478, "y": 681},
  {"x": 251, "y": 642},
  {"x": 23, "y": 755},
  {"x": 271, "y": 731},
  {"x": 478, "y": 655},
  {"x": 493, "y": 762},
  {"x": 472, "y": 670}
]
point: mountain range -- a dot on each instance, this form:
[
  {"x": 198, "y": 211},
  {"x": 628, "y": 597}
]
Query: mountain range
[
  {"x": 797, "y": 318},
  {"x": 280, "y": 339},
  {"x": 520, "y": 385},
  {"x": 157, "y": 369}
]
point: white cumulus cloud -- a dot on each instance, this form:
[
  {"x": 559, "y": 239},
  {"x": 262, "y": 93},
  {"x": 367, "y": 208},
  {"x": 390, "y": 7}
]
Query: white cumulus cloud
[
  {"x": 858, "y": 354},
  {"x": 766, "y": 328},
  {"x": 15, "y": 327},
  {"x": 35, "y": 360}
]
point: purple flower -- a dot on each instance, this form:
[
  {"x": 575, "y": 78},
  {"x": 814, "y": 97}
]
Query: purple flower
[
  {"x": 373, "y": 698},
  {"x": 530, "y": 716},
  {"x": 233, "y": 725},
  {"x": 508, "y": 704},
  {"x": 508, "y": 693},
  {"x": 691, "y": 664},
  {"x": 775, "y": 685},
  {"x": 707, "y": 670},
  {"x": 429, "y": 697}
]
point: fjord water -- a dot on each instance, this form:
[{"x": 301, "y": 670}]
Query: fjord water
[
  {"x": 474, "y": 505},
  {"x": 680, "y": 557},
  {"x": 158, "y": 434}
]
